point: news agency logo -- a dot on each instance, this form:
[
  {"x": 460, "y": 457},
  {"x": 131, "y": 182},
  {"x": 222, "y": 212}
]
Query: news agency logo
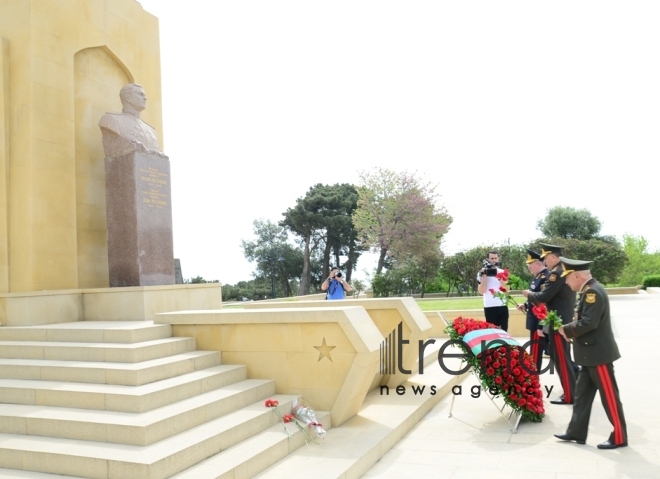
[{"x": 391, "y": 354}]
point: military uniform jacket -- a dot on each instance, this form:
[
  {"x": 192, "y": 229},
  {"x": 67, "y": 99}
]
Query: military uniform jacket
[
  {"x": 535, "y": 286},
  {"x": 593, "y": 342},
  {"x": 556, "y": 295}
]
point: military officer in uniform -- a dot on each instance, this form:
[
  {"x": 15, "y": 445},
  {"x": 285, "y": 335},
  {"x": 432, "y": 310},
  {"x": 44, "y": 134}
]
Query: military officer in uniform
[
  {"x": 595, "y": 350},
  {"x": 559, "y": 297},
  {"x": 540, "y": 274}
]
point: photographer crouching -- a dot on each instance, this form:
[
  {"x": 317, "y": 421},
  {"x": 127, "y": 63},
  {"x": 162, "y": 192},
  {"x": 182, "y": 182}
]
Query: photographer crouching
[
  {"x": 335, "y": 285},
  {"x": 496, "y": 313}
]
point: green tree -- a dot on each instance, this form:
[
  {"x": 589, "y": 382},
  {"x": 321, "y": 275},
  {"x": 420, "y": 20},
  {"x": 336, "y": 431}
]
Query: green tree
[
  {"x": 274, "y": 256},
  {"x": 337, "y": 231},
  {"x": 255, "y": 289},
  {"x": 641, "y": 262},
  {"x": 358, "y": 287},
  {"x": 609, "y": 259},
  {"x": 323, "y": 219},
  {"x": 199, "y": 280},
  {"x": 398, "y": 215},
  {"x": 461, "y": 269},
  {"x": 569, "y": 223}
]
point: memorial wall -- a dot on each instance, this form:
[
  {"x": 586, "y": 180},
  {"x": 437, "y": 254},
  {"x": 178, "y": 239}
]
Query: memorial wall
[{"x": 62, "y": 64}]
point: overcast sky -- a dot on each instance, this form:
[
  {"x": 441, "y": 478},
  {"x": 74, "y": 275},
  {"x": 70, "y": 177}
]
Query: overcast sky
[{"x": 511, "y": 107}]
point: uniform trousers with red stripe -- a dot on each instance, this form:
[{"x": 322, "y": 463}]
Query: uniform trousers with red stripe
[
  {"x": 561, "y": 357},
  {"x": 538, "y": 345},
  {"x": 591, "y": 379}
]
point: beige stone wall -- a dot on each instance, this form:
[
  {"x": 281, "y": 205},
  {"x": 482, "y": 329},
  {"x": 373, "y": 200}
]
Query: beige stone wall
[
  {"x": 57, "y": 89},
  {"x": 4, "y": 164},
  {"x": 138, "y": 303},
  {"x": 287, "y": 345},
  {"x": 98, "y": 79}
]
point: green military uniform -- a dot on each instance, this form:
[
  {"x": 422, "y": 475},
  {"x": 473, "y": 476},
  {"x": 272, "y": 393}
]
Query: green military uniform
[{"x": 595, "y": 350}]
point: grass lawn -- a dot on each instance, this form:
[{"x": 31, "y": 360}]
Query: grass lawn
[{"x": 472, "y": 302}]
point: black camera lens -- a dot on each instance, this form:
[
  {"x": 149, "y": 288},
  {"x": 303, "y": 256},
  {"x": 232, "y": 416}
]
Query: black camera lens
[{"x": 338, "y": 275}]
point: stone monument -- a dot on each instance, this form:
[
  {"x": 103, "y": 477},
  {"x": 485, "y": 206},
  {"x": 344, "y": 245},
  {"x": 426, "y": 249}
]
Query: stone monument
[{"x": 138, "y": 197}]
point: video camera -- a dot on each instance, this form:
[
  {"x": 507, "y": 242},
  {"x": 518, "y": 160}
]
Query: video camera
[{"x": 490, "y": 269}]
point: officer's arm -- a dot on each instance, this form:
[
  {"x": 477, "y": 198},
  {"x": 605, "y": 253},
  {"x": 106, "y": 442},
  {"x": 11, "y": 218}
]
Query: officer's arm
[
  {"x": 590, "y": 315},
  {"x": 553, "y": 285}
]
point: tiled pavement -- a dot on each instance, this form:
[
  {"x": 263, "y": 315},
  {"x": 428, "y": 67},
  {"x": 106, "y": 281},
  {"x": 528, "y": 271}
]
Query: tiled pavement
[{"x": 477, "y": 443}]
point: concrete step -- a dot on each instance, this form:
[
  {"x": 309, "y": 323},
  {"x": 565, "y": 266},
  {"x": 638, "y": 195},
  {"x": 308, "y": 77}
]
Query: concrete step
[
  {"x": 101, "y": 460},
  {"x": 255, "y": 454},
  {"x": 89, "y": 332},
  {"x": 350, "y": 450},
  {"x": 109, "y": 352},
  {"x": 16, "y": 474},
  {"x": 108, "y": 397},
  {"x": 130, "y": 428},
  {"x": 130, "y": 374}
]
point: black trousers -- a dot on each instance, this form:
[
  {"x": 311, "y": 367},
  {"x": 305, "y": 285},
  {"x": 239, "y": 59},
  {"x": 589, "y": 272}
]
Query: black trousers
[
  {"x": 498, "y": 315},
  {"x": 591, "y": 379},
  {"x": 561, "y": 357}
]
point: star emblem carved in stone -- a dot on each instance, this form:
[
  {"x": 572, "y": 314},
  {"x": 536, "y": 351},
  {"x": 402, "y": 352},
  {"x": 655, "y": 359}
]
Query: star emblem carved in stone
[{"x": 324, "y": 350}]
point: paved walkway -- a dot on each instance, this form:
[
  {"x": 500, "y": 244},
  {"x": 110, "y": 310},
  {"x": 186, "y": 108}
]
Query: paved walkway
[{"x": 477, "y": 443}]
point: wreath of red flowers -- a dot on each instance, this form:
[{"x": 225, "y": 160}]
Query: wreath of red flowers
[{"x": 503, "y": 372}]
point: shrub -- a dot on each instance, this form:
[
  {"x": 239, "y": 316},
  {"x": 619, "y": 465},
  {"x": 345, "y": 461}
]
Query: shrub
[{"x": 652, "y": 281}]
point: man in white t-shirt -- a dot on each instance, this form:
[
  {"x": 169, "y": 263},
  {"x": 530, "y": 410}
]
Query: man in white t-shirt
[{"x": 496, "y": 312}]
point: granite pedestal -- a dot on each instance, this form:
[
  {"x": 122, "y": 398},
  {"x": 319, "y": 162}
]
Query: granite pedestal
[{"x": 139, "y": 217}]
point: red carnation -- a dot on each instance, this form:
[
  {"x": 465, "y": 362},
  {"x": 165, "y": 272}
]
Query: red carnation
[
  {"x": 288, "y": 417},
  {"x": 271, "y": 403}
]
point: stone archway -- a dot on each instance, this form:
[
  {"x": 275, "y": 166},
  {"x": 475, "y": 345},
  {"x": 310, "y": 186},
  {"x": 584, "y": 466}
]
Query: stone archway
[{"x": 99, "y": 75}]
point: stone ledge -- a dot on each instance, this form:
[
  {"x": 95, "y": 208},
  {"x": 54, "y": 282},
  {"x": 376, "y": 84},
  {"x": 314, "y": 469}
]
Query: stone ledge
[
  {"x": 386, "y": 313},
  {"x": 136, "y": 303},
  {"x": 287, "y": 344}
]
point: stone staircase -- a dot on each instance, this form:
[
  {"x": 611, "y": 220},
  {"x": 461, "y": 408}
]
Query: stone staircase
[{"x": 126, "y": 400}]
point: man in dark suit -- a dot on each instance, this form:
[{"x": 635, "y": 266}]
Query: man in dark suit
[
  {"x": 557, "y": 296},
  {"x": 540, "y": 275},
  {"x": 595, "y": 350}
]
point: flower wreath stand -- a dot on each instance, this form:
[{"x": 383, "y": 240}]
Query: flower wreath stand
[{"x": 502, "y": 368}]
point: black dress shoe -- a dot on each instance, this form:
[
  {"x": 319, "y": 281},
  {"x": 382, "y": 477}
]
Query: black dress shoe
[
  {"x": 561, "y": 400},
  {"x": 609, "y": 444},
  {"x": 566, "y": 437}
]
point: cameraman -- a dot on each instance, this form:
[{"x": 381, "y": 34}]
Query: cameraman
[
  {"x": 335, "y": 285},
  {"x": 495, "y": 312}
]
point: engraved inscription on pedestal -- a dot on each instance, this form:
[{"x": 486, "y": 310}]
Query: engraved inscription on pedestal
[{"x": 138, "y": 197}]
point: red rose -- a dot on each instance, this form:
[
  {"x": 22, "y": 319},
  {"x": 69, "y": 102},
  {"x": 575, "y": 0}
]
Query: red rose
[
  {"x": 498, "y": 380},
  {"x": 490, "y": 371},
  {"x": 521, "y": 402},
  {"x": 492, "y": 291},
  {"x": 496, "y": 364},
  {"x": 503, "y": 289}
]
